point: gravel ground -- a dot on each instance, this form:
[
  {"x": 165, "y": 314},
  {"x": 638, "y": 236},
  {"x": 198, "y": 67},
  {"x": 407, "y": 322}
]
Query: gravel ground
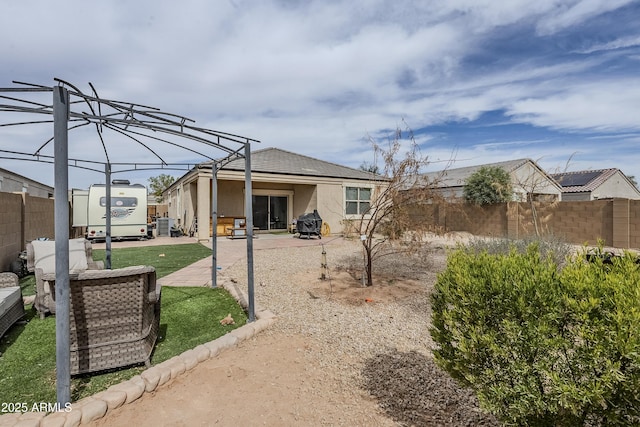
[{"x": 380, "y": 351}]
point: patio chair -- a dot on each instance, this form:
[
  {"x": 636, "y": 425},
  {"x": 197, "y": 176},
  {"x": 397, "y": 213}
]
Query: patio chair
[
  {"x": 11, "y": 305},
  {"x": 114, "y": 317},
  {"x": 41, "y": 260}
]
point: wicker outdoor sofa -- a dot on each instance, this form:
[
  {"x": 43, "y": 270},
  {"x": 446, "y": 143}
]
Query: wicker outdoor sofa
[
  {"x": 11, "y": 305},
  {"x": 114, "y": 317}
]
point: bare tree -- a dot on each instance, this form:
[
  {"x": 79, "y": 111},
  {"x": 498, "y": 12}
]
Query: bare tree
[
  {"x": 399, "y": 186},
  {"x": 535, "y": 185}
]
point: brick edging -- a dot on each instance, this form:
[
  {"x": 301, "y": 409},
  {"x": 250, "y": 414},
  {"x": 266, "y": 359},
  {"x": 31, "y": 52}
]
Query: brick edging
[{"x": 97, "y": 406}]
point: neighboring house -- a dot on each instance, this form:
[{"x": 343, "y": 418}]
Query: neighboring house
[
  {"x": 284, "y": 186},
  {"x": 529, "y": 181},
  {"x": 11, "y": 182},
  {"x": 596, "y": 184}
]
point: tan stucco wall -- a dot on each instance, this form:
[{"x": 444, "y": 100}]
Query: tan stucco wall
[
  {"x": 331, "y": 205},
  {"x": 231, "y": 198},
  {"x": 305, "y": 199}
]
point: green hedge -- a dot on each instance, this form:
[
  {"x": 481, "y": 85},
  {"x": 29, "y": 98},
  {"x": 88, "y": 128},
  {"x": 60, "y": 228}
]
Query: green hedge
[{"x": 540, "y": 345}]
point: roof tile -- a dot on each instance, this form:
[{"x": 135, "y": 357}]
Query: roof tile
[{"x": 278, "y": 161}]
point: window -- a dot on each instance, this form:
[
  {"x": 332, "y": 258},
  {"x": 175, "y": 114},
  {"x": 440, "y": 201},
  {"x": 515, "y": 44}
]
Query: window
[
  {"x": 358, "y": 200},
  {"x": 120, "y": 202}
]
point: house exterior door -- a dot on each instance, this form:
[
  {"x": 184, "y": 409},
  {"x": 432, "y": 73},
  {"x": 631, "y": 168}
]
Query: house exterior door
[{"x": 270, "y": 212}]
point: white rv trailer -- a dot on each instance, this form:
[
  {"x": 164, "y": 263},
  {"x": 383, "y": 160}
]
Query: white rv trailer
[{"x": 128, "y": 211}]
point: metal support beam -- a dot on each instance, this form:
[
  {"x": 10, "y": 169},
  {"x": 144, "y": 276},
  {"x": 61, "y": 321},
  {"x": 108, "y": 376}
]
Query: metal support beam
[
  {"x": 107, "y": 214},
  {"x": 249, "y": 224},
  {"x": 214, "y": 220},
  {"x": 61, "y": 219}
]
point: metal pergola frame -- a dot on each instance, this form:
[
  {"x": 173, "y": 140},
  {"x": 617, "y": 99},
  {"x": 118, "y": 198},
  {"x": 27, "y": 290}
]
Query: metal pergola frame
[{"x": 143, "y": 126}]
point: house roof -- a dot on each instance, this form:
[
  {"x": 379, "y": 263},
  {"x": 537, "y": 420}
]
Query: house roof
[
  {"x": 278, "y": 161},
  {"x": 583, "y": 181},
  {"x": 457, "y": 177}
]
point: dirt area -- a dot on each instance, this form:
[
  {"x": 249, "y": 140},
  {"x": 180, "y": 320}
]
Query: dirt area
[
  {"x": 268, "y": 380},
  {"x": 345, "y": 289}
]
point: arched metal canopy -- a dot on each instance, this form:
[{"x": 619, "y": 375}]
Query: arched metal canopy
[{"x": 138, "y": 125}]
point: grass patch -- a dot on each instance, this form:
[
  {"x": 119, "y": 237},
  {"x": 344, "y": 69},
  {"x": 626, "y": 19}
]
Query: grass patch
[
  {"x": 189, "y": 317},
  {"x": 166, "y": 259}
]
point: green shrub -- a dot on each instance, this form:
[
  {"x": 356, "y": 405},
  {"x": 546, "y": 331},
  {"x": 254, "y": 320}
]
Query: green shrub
[
  {"x": 539, "y": 345},
  {"x": 488, "y": 185}
]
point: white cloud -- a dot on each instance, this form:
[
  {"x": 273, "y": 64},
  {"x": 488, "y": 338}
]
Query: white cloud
[
  {"x": 303, "y": 75},
  {"x": 570, "y": 13},
  {"x": 622, "y": 43},
  {"x": 604, "y": 105}
]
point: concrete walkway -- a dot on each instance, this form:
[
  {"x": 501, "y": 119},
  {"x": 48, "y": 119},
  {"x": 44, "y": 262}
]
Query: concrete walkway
[{"x": 229, "y": 251}]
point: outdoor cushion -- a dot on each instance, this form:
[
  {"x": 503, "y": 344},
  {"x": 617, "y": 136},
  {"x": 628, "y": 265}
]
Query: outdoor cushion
[
  {"x": 8, "y": 297},
  {"x": 45, "y": 255},
  {"x": 11, "y": 305}
]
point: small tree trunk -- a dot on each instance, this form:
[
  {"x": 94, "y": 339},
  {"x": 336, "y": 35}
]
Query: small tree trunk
[
  {"x": 369, "y": 270},
  {"x": 368, "y": 262}
]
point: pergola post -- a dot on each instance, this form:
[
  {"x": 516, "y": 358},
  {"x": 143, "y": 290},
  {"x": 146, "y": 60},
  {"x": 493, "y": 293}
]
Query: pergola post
[
  {"x": 214, "y": 230},
  {"x": 107, "y": 215},
  {"x": 249, "y": 224},
  {"x": 61, "y": 219}
]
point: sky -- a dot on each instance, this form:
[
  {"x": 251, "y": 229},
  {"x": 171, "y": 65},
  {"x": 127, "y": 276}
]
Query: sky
[{"x": 476, "y": 81}]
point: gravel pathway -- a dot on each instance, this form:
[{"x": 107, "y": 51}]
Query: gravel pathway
[{"x": 379, "y": 351}]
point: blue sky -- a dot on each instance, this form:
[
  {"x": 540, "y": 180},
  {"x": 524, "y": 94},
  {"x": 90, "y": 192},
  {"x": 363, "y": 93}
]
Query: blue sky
[{"x": 478, "y": 81}]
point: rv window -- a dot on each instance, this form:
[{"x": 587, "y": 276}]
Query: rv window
[{"x": 122, "y": 202}]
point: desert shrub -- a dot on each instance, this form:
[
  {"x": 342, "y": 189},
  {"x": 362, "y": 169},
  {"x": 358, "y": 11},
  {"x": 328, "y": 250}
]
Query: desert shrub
[
  {"x": 542, "y": 346},
  {"x": 548, "y": 245}
]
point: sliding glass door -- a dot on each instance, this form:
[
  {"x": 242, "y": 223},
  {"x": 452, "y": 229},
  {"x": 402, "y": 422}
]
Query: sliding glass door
[{"x": 270, "y": 212}]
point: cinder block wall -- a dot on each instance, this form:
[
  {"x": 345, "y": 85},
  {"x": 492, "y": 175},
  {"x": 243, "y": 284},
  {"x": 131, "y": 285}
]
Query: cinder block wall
[
  {"x": 489, "y": 220},
  {"x": 576, "y": 222},
  {"x": 11, "y": 218},
  {"x": 480, "y": 220},
  {"x": 634, "y": 223},
  {"x": 38, "y": 218},
  {"x": 616, "y": 221}
]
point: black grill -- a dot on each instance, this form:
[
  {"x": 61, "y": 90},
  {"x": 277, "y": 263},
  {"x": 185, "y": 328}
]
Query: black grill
[{"x": 309, "y": 224}]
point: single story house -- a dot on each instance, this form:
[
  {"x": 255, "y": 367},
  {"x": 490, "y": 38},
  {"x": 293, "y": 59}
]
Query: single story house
[
  {"x": 596, "y": 184},
  {"x": 527, "y": 178},
  {"x": 12, "y": 182},
  {"x": 284, "y": 185}
]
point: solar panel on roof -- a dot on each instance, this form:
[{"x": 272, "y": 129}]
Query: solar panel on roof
[{"x": 577, "y": 179}]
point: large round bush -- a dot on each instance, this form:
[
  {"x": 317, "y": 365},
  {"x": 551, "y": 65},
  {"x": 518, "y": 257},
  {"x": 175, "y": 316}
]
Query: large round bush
[{"x": 542, "y": 346}]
